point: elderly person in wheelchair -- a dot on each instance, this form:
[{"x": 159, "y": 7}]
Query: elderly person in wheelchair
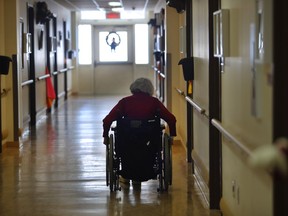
[{"x": 140, "y": 108}]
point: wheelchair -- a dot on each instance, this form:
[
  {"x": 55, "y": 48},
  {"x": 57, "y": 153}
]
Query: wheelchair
[{"x": 139, "y": 151}]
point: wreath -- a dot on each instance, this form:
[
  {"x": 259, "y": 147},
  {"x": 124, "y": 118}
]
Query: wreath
[{"x": 114, "y": 42}]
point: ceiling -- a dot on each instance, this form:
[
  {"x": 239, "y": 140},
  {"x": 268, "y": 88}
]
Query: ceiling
[{"x": 128, "y": 5}]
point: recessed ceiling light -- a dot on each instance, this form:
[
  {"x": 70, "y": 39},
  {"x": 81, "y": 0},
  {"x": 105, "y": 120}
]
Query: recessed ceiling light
[
  {"x": 114, "y": 4},
  {"x": 117, "y": 9}
]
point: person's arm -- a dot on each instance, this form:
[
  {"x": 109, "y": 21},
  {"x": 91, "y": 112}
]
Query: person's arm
[
  {"x": 113, "y": 115},
  {"x": 168, "y": 117}
]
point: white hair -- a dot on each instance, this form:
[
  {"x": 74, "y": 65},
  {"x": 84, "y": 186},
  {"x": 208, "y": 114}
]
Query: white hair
[{"x": 142, "y": 85}]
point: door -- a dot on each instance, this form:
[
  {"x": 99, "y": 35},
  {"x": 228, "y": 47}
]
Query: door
[
  {"x": 110, "y": 70},
  {"x": 113, "y": 59}
]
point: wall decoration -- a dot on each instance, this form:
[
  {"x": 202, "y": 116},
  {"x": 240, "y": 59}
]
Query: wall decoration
[
  {"x": 43, "y": 14},
  {"x": 113, "y": 40},
  {"x": 60, "y": 37},
  {"x": 40, "y": 39}
]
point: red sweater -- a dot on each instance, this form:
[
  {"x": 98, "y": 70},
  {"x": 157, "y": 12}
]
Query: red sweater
[{"x": 139, "y": 106}]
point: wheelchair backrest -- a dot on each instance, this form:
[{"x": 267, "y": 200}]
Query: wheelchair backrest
[{"x": 132, "y": 133}]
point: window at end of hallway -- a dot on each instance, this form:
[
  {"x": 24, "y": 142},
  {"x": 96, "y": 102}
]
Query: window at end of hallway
[
  {"x": 85, "y": 44},
  {"x": 117, "y": 54},
  {"x": 141, "y": 44}
]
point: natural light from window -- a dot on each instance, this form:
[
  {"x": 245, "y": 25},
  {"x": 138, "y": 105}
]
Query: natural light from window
[
  {"x": 85, "y": 44},
  {"x": 106, "y": 53},
  {"x": 141, "y": 44}
]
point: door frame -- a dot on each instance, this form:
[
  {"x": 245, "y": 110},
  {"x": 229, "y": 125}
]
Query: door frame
[
  {"x": 103, "y": 66},
  {"x": 31, "y": 67},
  {"x": 215, "y": 140},
  {"x": 280, "y": 102}
]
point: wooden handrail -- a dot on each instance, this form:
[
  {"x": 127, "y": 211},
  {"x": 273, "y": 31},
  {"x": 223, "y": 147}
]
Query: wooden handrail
[{"x": 229, "y": 136}]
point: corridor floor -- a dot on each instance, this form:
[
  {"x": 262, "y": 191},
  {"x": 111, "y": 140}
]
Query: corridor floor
[{"x": 59, "y": 170}]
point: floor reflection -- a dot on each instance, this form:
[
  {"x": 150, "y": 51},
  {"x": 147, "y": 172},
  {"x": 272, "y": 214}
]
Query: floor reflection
[{"x": 60, "y": 170}]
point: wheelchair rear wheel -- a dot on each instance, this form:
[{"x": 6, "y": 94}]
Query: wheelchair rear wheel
[
  {"x": 107, "y": 165},
  {"x": 112, "y": 179},
  {"x": 165, "y": 165},
  {"x": 167, "y": 161}
]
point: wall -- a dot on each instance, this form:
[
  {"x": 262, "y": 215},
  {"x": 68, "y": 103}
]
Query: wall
[
  {"x": 11, "y": 11},
  {"x": 62, "y": 15},
  {"x": 201, "y": 85},
  {"x": 2, "y": 78},
  {"x": 253, "y": 195},
  {"x": 175, "y": 103},
  {"x": 8, "y": 43},
  {"x": 254, "y": 129}
]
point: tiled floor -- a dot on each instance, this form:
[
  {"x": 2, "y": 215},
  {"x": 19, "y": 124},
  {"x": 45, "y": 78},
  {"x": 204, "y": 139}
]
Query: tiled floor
[{"x": 60, "y": 170}]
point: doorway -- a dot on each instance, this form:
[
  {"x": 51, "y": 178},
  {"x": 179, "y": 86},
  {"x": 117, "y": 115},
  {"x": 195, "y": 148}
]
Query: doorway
[
  {"x": 100, "y": 73},
  {"x": 113, "y": 68}
]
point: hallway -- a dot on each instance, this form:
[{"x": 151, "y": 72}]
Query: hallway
[{"x": 60, "y": 170}]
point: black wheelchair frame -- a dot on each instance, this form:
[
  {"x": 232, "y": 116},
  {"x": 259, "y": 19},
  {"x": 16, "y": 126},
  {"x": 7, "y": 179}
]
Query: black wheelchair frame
[{"x": 163, "y": 152}]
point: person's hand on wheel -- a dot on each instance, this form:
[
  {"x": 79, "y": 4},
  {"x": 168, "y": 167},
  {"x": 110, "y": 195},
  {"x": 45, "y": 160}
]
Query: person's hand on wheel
[{"x": 106, "y": 140}]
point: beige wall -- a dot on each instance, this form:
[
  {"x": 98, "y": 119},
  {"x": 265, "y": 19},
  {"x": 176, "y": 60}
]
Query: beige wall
[
  {"x": 2, "y": 78},
  {"x": 8, "y": 43},
  {"x": 255, "y": 189},
  {"x": 201, "y": 82},
  {"x": 175, "y": 80},
  {"x": 11, "y": 11},
  {"x": 62, "y": 15},
  {"x": 237, "y": 117}
]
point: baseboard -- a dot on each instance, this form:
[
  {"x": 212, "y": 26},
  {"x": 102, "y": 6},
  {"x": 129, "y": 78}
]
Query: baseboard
[
  {"x": 225, "y": 209},
  {"x": 10, "y": 144},
  {"x": 201, "y": 177},
  {"x": 203, "y": 171}
]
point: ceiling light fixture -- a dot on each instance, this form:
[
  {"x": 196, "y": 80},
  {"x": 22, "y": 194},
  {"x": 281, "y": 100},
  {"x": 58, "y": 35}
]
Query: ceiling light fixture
[
  {"x": 117, "y": 9},
  {"x": 114, "y": 4}
]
